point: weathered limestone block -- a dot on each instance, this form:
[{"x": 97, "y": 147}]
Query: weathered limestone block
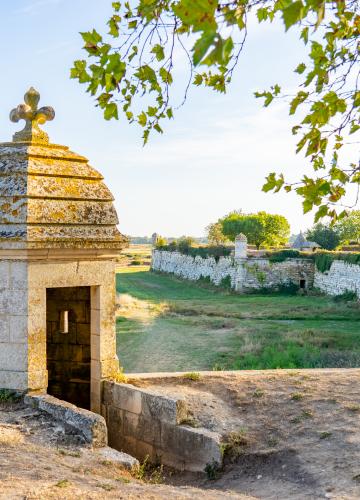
[
  {"x": 138, "y": 401},
  {"x": 90, "y": 425},
  {"x": 119, "y": 458},
  {"x": 163, "y": 408},
  {"x": 195, "y": 448}
]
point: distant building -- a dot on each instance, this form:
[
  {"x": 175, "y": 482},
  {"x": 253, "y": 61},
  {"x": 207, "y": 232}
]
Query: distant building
[{"x": 301, "y": 243}]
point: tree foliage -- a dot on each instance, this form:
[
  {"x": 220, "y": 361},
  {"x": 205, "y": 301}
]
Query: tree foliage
[
  {"x": 215, "y": 234},
  {"x": 184, "y": 243},
  {"x": 349, "y": 228},
  {"x": 131, "y": 70},
  {"x": 261, "y": 229},
  {"x": 161, "y": 241},
  {"x": 325, "y": 235}
]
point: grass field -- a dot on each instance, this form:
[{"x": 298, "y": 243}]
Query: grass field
[
  {"x": 167, "y": 324},
  {"x": 138, "y": 256}
]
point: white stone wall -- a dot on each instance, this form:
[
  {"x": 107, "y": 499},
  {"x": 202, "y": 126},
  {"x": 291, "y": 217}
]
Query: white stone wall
[
  {"x": 245, "y": 274},
  {"x": 194, "y": 268},
  {"x": 341, "y": 277}
]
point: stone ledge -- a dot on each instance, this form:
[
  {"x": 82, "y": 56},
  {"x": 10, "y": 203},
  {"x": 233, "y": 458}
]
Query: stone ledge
[
  {"x": 193, "y": 448},
  {"x": 90, "y": 425},
  {"x": 140, "y": 401},
  {"x": 119, "y": 458}
]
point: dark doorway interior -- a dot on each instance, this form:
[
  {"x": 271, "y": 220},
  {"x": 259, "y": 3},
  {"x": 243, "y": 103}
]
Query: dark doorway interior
[
  {"x": 302, "y": 284},
  {"x": 68, "y": 344}
]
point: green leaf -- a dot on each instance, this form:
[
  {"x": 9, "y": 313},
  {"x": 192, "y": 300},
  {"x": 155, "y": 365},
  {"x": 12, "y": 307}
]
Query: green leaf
[
  {"x": 142, "y": 119},
  {"x": 198, "y": 80},
  {"x": 273, "y": 183},
  {"x": 202, "y": 46},
  {"x": 262, "y": 14},
  {"x": 300, "y": 68},
  {"x": 111, "y": 111},
  {"x": 169, "y": 113},
  {"x": 227, "y": 49},
  {"x": 305, "y": 34},
  {"x": 158, "y": 128},
  {"x": 91, "y": 37},
  {"x": 320, "y": 14},
  {"x": 158, "y": 51},
  {"x": 307, "y": 206},
  {"x": 151, "y": 111},
  {"x": 114, "y": 26},
  {"x": 322, "y": 212},
  {"x": 165, "y": 76},
  {"x": 146, "y": 136},
  {"x": 292, "y": 13}
]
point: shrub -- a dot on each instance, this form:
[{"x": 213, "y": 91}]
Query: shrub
[
  {"x": 194, "y": 376},
  {"x": 8, "y": 396},
  {"x": 283, "y": 255},
  {"x": 185, "y": 243},
  {"x": 226, "y": 282},
  {"x": 347, "y": 296},
  {"x": 323, "y": 260},
  {"x": 204, "y": 252},
  {"x": 161, "y": 241}
]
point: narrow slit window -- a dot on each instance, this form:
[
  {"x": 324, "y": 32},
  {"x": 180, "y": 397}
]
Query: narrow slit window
[{"x": 64, "y": 321}]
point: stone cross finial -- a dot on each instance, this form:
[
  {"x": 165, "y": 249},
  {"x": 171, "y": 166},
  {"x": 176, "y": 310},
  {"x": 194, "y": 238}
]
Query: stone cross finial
[{"x": 33, "y": 117}]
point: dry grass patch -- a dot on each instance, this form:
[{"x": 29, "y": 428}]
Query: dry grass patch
[
  {"x": 9, "y": 436},
  {"x": 141, "y": 310}
]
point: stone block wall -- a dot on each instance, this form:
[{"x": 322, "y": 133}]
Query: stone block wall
[
  {"x": 341, "y": 277},
  {"x": 143, "y": 424},
  {"x": 243, "y": 274},
  {"x": 255, "y": 273},
  {"x": 13, "y": 325},
  {"x": 194, "y": 268}
]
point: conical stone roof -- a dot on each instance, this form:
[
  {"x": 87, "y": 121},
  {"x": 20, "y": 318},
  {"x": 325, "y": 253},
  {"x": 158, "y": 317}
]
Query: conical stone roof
[{"x": 51, "y": 197}]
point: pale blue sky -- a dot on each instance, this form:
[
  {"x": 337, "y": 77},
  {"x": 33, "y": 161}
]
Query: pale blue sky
[{"x": 212, "y": 158}]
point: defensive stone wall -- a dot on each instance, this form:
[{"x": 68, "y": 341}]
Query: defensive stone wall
[
  {"x": 256, "y": 273},
  {"x": 242, "y": 274},
  {"x": 341, "y": 277}
]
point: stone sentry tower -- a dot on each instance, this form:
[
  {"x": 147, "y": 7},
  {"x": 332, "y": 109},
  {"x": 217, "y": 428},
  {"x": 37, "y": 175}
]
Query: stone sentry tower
[
  {"x": 241, "y": 246},
  {"x": 58, "y": 244}
]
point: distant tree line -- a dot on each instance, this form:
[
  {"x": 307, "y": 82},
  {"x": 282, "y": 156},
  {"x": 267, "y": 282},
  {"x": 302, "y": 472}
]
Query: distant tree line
[{"x": 271, "y": 230}]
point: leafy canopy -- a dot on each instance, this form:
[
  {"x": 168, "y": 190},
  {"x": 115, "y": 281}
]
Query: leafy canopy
[
  {"x": 215, "y": 234},
  {"x": 326, "y": 236},
  {"x": 130, "y": 70},
  {"x": 349, "y": 228},
  {"x": 261, "y": 229}
]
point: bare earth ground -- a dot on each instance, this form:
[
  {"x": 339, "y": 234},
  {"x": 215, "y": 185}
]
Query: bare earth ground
[
  {"x": 37, "y": 461},
  {"x": 291, "y": 434}
]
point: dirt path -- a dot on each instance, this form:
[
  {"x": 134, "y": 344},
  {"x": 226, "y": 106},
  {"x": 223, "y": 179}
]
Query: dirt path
[
  {"x": 39, "y": 462},
  {"x": 289, "y": 434}
]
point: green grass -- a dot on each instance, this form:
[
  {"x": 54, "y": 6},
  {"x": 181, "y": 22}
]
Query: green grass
[{"x": 202, "y": 328}]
